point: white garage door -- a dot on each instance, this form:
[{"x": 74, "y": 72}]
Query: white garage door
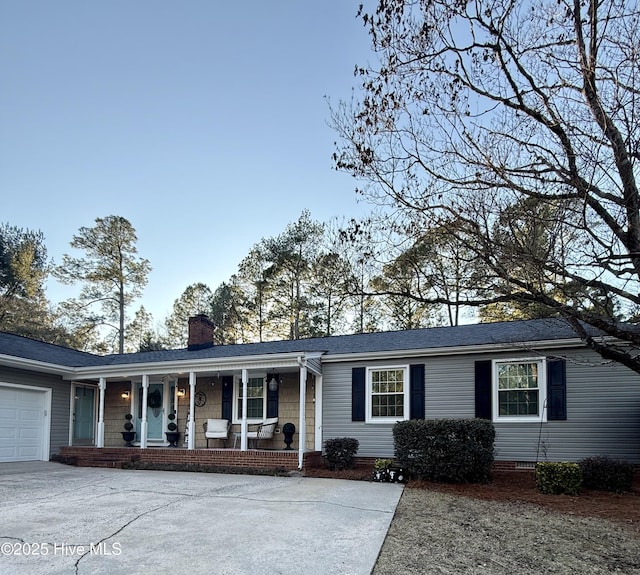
[{"x": 22, "y": 424}]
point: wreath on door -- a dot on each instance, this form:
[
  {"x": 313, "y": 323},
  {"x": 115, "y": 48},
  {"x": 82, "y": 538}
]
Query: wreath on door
[{"x": 154, "y": 401}]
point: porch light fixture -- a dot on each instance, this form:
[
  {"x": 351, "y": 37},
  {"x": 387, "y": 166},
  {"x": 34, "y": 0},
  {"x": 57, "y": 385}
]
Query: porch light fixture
[
  {"x": 273, "y": 383},
  {"x": 125, "y": 395},
  {"x": 181, "y": 392}
]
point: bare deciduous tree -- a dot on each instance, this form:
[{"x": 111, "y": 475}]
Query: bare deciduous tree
[{"x": 513, "y": 128}]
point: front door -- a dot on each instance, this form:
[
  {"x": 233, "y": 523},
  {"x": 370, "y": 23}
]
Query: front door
[
  {"x": 155, "y": 411},
  {"x": 83, "y": 416}
]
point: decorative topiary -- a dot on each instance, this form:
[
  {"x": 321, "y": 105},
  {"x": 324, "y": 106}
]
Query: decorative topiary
[
  {"x": 173, "y": 435},
  {"x": 128, "y": 435},
  {"x": 128, "y": 425}
]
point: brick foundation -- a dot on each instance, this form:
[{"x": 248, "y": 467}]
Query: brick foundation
[{"x": 116, "y": 456}]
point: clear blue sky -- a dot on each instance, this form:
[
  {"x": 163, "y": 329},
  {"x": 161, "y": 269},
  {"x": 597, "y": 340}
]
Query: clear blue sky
[{"x": 203, "y": 123}]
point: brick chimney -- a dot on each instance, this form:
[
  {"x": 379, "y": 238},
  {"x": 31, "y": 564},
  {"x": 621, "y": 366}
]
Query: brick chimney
[{"x": 200, "y": 332}]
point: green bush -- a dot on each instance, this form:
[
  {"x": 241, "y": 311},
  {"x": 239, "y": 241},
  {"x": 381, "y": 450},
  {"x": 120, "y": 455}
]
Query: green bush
[
  {"x": 556, "y": 478},
  {"x": 382, "y": 463},
  {"x": 448, "y": 450},
  {"x": 606, "y": 474},
  {"x": 340, "y": 453}
]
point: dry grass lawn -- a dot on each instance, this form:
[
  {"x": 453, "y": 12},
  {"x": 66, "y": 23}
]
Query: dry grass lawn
[{"x": 443, "y": 533}]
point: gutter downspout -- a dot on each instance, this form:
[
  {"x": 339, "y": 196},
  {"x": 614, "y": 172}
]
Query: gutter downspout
[
  {"x": 318, "y": 413},
  {"x": 143, "y": 422},
  {"x": 103, "y": 386},
  {"x": 302, "y": 434},
  {"x": 191, "y": 441},
  {"x": 243, "y": 424}
]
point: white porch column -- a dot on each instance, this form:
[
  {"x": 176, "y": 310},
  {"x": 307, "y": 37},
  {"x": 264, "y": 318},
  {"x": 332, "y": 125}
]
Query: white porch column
[
  {"x": 243, "y": 425},
  {"x": 192, "y": 411},
  {"x": 302, "y": 433},
  {"x": 318, "y": 413},
  {"x": 143, "y": 422},
  {"x": 102, "y": 384}
]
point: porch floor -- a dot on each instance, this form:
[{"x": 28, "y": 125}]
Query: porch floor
[{"x": 279, "y": 460}]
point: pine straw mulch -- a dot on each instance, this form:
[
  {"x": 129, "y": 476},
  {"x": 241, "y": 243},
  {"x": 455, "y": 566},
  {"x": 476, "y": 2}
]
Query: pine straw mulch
[{"x": 520, "y": 487}]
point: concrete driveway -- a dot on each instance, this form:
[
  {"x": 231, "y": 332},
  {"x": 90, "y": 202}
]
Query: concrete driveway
[{"x": 60, "y": 519}]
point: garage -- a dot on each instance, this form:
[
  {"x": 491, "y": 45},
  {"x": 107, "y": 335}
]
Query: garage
[{"x": 24, "y": 423}]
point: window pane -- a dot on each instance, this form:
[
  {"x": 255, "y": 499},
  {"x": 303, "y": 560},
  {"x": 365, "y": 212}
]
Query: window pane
[
  {"x": 518, "y": 376},
  {"x": 387, "y": 393},
  {"x": 254, "y": 408},
  {"x": 518, "y": 402},
  {"x": 387, "y": 405},
  {"x": 255, "y": 398}
]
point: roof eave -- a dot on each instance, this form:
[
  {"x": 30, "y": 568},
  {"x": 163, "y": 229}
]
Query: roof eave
[
  {"x": 35, "y": 365},
  {"x": 269, "y": 361}
]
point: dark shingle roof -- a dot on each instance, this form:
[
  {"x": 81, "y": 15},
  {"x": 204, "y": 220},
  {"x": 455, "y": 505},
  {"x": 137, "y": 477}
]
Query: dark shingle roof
[
  {"x": 32, "y": 349},
  {"x": 430, "y": 338}
]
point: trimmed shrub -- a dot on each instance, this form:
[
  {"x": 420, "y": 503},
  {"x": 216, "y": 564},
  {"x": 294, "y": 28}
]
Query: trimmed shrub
[
  {"x": 606, "y": 474},
  {"x": 556, "y": 478},
  {"x": 340, "y": 453},
  {"x": 447, "y": 450}
]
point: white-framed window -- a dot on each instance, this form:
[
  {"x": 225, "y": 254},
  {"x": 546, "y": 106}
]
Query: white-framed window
[
  {"x": 256, "y": 399},
  {"x": 519, "y": 389},
  {"x": 387, "y": 396}
]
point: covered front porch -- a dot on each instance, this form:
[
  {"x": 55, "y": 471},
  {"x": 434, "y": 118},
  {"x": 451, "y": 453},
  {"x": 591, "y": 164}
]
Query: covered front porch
[{"x": 155, "y": 400}]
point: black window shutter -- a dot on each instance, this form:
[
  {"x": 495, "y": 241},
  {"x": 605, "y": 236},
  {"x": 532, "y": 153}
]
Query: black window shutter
[
  {"x": 227, "y": 397},
  {"x": 556, "y": 389},
  {"x": 416, "y": 386},
  {"x": 272, "y": 398},
  {"x": 483, "y": 389},
  {"x": 358, "y": 402}
]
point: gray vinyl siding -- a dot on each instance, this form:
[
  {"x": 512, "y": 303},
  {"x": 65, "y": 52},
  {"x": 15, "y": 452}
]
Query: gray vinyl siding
[
  {"x": 603, "y": 408},
  {"x": 449, "y": 387},
  {"x": 60, "y": 400},
  {"x": 603, "y": 417},
  {"x": 376, "y": 439}
]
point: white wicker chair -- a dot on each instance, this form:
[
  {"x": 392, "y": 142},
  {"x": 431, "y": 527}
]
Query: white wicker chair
[{"x": 265, "y": 430}]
